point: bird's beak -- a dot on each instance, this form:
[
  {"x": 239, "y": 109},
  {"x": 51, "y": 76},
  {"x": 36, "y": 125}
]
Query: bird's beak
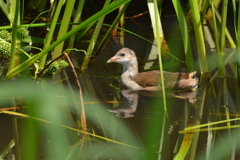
[{"x": 113, "y": 59}]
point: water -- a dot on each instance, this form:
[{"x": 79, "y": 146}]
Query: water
[{"x": 136, "y": 119}]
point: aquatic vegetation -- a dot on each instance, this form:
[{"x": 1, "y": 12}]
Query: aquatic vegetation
[
  {"x": 55, "y": 67},
  {"x": 22, "y": 33},
  {"x": 5, "y": 35},
  {"x": 62, "y": 117},
  {"x": 5, "y": 50}
]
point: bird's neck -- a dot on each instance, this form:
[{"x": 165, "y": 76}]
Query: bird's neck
[{"x": 130, "y": 70}]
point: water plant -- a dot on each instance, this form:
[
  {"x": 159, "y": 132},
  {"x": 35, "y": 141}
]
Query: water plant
[{"x": 64, "y": 115}]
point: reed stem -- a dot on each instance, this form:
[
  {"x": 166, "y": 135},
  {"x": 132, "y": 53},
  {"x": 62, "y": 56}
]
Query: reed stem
[
  {"x": 64, "y": 27},
  {"x": 158, "y": 34},
  {"x": 185, "y": 34},
  {"x": 49, "y": 35},
  {"x": 13, "y": 59},
  {"x": 197, "y": 24},
  {"x": 93, "y": 40}
]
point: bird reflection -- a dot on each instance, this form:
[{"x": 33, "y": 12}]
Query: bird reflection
[
  {"x": 129, "y": 103},
  {"x": 128, "y": 106}
]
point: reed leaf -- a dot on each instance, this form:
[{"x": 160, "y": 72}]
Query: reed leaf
[
  {"x": 215, "y": 33},
  {"x": 49, "y": 35},
  {"x": 223, "y": 25},
  {"x": 5, "y": 9},
  {"x": 77, "y": 18},
  {"x": 238, "y": 47},
  {"x": 222, "y": 47},
  {"x": 29, "y": 62},
  {"x": 13, "y": 58},
  {"x": 197, "y": 24},
  {"x": 158, "y": 34},
  {"x": 112, "y": 26},
  {"x": 93, "y": 40},
  {"x": 210, "y": 124},
  {"x": 185, "y": 34},
  {"x": 184, "y": 149},
  {"x": 70, "y": 128},
  {"x": 64, "y": 27}
]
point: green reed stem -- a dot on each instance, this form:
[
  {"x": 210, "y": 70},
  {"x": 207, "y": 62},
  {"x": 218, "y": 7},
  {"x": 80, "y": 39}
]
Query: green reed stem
[
  {"x": 108, "y": 34},
  {"x": 49, "y": 35},
  {"x": 14, "y": 38},
  {"x": 238, "y": 47},
  {"x": 39, "y": 16},
  {"x": 185, "y": 34},
  {"x": 197, "y": 24},
  {"x": 235, "y": 20},
  {"x": 64, "y": 27},
  {"x": 28, "y": 25},
  {"x": 222, "y": 47},
  {"x": 158, "y": 34},
  {"x": 77, "y": 18},
  {"x": 228, "y": 35},
  {"x": 223, "y": 24},
  {"x": 204, "y": 9},
  {"x": 5, "y": 9},
  {"x": 122, "y": 24},
  {"x": 34, "y": 25},
  {"x": 84, "y": 31},
  {"x": 93, "y": 40},
  {"x": 215, "y": 33}
]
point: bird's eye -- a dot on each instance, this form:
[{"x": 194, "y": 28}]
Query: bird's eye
[{"x": 122, "y": 54}]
